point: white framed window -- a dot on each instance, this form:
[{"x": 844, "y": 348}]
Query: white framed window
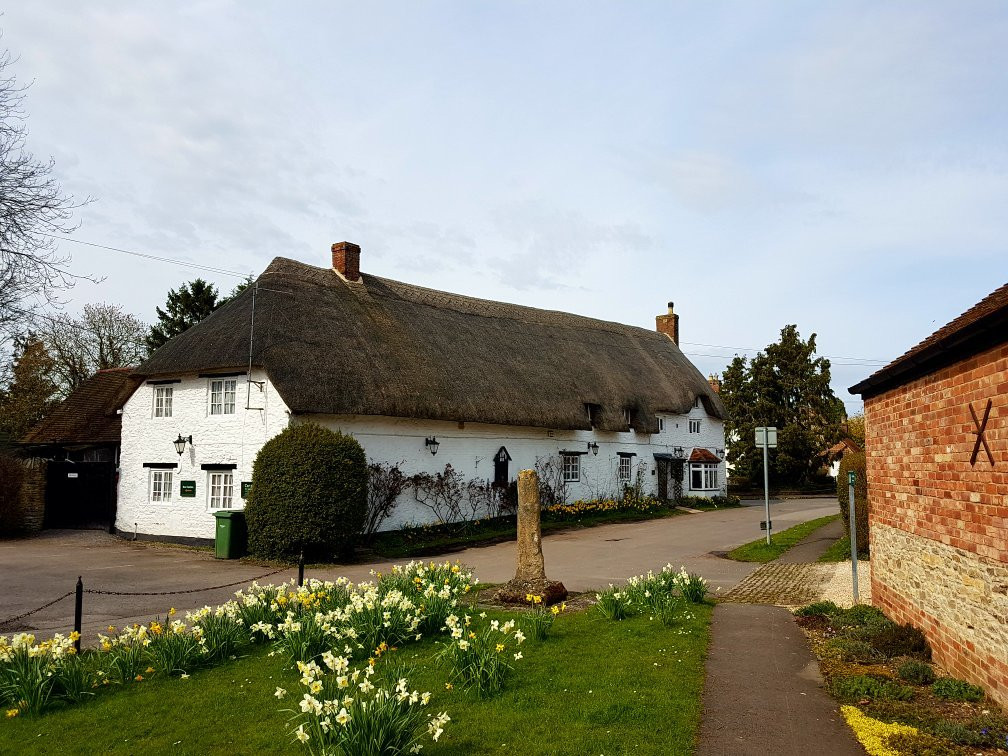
[
  {"x": 694, "y": 426},
  {"x": 703, "y": 476},
  {"x": 222, "y": 396},
  {"x": 220, "y": 489},
  {"x": 661, "y": 424},
  {"x": 572, "y": 468},
  {"x": 626, "y": 416},
  {"x": 625, "y": 469},
  {"x": 696, "y": 403},
  {"x": 160, "y": 485},
  {"x": 162, "y": 401}
]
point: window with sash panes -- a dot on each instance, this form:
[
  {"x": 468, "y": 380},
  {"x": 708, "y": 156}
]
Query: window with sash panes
[
  {"x": 694, "y": 426},
  {"x": 222, "y": 396},
  {"x": 220, "y": 488},
  {"x": 625, "y": 469},
  {"x": 571, "y": 468},
  {"x": 160, "y": 485},
  {"x": 162, "y": 401}
]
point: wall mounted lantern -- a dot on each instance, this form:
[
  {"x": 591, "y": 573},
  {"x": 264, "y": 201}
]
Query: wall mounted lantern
[
  {"x": 593, "y": 448},
  {"x": 432, "y": 444},
  {"x": 181, "y": 442}
]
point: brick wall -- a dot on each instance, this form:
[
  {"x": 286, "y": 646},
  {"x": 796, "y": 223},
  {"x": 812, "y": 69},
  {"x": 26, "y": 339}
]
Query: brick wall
[{"x": 939, "y": 525}]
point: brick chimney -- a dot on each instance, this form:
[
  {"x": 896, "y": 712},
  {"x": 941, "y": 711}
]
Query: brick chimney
[
  {"x": 668, "y": 324},
  {"x": 715, "y": 383},
  {"x": 346, "y": 260}
]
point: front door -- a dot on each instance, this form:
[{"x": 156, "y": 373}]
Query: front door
[{"x": 663, "y": 475}]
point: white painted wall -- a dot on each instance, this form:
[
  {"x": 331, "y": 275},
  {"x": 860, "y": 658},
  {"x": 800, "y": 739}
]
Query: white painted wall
[
  {"x": 469, "y": 448},
  {"x": 217, "y": 439}
]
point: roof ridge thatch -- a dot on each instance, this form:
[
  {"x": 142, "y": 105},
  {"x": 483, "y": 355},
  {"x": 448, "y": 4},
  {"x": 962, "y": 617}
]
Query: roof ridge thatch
[{"x": 383, "y": 347}]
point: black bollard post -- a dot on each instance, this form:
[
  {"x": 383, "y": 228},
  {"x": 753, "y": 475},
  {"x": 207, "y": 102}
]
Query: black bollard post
[
  {"x": 78, "y": 611},
  {"x": 301, "y": 569}
]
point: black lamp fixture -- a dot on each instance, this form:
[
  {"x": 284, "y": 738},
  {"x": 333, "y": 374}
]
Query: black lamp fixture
[
  {"x": 593, "y": 448},
  {"x": 181, "y": 442},
  {"x": 432, "y": 443}
]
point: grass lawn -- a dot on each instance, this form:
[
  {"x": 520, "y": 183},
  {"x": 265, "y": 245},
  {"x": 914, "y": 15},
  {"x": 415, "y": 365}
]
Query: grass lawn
[
  {"x": 594, "y": 686},
  {"x": 839, "y": 551},
  {"x": 758, "y": 551}
]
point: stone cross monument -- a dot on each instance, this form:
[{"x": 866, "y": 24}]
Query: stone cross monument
[{"x": 530, "y": 573}]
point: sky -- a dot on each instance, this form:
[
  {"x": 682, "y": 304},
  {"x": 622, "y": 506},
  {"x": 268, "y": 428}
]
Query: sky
[{"x": 839, "y": 166}]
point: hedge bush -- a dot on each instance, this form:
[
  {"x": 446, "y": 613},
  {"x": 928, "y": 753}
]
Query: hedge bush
[
  {"x": 309, "y": 491},
  {"x": 11, "y": 478},
  {"x": 854, "y": 461}
]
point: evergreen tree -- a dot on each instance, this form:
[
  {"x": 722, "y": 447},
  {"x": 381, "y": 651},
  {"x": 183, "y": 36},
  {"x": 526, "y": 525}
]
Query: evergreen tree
[
  {"x": 32, "y": 392},
  {"x": 186, "y": 306},
  {"x": 785, "y": 386}
]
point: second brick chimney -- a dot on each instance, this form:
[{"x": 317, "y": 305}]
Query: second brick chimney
[
  {"x": 668, "y": 324},
  {"x": 346, "y": 260}
]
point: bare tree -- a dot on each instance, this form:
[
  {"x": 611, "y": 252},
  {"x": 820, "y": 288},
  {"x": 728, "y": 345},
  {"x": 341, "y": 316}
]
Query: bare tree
[
  {"x": 104, "y": 337},
  {"x": 33, "y": 209}
]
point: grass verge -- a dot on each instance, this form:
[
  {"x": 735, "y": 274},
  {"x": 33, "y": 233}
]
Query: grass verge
[
  {"x": 758, "y": 551},
  {"x": 566, "y": 697}
]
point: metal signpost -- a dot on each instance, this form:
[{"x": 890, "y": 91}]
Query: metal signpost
[
  {"x": 851, "y": 477},
  {"x": 766, "y": 436}
]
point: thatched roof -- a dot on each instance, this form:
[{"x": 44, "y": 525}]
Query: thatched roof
[
  {"x": 381, "y": 347},
  {"x": 90, "y": 415}
]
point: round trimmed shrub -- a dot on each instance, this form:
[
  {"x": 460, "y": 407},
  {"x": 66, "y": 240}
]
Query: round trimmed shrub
[{"x": 309, "y": 491}]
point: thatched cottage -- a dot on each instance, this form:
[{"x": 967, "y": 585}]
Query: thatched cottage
[{"x": 420, "y": 378}]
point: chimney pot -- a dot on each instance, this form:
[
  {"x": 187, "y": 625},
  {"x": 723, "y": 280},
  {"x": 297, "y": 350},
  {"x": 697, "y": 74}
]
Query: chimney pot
[{"x": 346, "y": 260}]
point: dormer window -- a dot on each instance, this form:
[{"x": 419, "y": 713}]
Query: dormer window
[
  {"x": 592, "y": 411},
  {"x": 696, "y": 403},
  {"x": 626, "y": 416}
]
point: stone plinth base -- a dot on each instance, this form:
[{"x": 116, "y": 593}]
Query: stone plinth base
[{"x": 515, "y": 591}]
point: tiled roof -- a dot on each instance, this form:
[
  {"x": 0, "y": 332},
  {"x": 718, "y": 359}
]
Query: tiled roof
[
  {"x": 89, "y": 415},
  {"x": 980, "y": 323},
  {"x": 703, "y": 455}
]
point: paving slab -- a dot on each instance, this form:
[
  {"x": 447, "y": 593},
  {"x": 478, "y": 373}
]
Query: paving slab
[{"x": 764, "y": 693}]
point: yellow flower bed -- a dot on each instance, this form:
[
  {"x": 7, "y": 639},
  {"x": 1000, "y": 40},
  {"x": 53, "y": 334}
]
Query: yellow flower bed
[{"x": 872, "y": 733}]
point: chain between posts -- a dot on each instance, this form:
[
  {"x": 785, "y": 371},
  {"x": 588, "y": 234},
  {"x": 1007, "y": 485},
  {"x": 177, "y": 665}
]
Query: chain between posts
[
  {"x": 100, "y": 592},
  {"x": 12, "y": 620}
]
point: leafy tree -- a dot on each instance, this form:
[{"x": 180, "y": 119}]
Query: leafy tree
[
  {"x": 32, "y": 392},
  {"x": 186, "y": 306},
  {"x": 104, "y": 337},
  {"x": 33, "y": 211},
  {"x": 856, "y": 429},
  {"x": 785, "y": 386}
]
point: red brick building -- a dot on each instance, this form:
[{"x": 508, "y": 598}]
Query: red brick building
[{"x": 936, "y": 438}]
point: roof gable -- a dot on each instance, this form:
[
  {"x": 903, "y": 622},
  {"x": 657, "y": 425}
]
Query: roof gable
[{"x": 382, "y": 347}]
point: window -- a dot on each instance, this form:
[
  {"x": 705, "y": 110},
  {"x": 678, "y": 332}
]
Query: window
[
  {"x": 703, "y": 476},
  {"x": 694, "y": 426},
  {"x": 221, "y": 489},
  {"x": 625, "y": 469},
  {"x": 162, "y": 401},
  {"x": 696, "y": 403},
  {"x": 222, "y": 396},
  {"x": 626, "y": 416},
  {"x": 661, "y": 424},
  {"x": 571, "y": 468},
  {"x": 160, "y": 485}
]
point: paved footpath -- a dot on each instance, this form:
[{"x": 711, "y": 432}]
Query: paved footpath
[{"x": 763, "y": 693}]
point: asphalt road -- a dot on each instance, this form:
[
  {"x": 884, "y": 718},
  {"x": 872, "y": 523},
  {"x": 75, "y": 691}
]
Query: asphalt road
[{"x": 37, "y": 570}]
